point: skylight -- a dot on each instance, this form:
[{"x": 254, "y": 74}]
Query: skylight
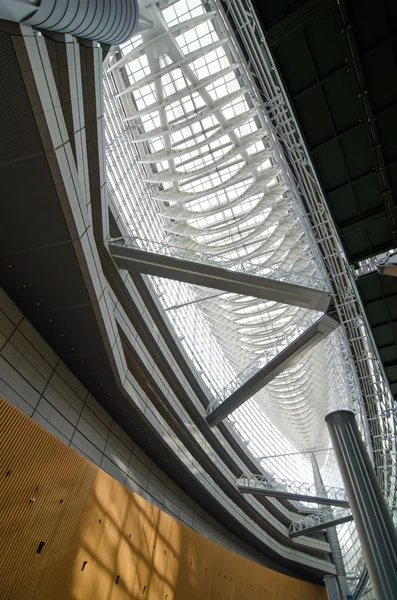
[
  {"x": 193, "y": 168},
  {"x": 216, "y": 191}
]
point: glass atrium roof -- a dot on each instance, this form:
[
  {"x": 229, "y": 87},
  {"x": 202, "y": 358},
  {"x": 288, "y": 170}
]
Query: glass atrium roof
[
  {"x": 194, "y": 168},
  {"x": 213, "y": 184}
]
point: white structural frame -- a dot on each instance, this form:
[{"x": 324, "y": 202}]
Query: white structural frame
[
  {"x": 308, "y": 492},
  {"x": 294, "y": 177},
  {"x": 328, "y": 517},
  {"x": 219, "y": 192},
  {"x": 378, "y": 414},
  {"x": 244, "y": 279},
  {"x": 379, "y": 406}
]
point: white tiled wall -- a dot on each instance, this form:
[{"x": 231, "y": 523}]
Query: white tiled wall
[{"x": 35, "y": 380}]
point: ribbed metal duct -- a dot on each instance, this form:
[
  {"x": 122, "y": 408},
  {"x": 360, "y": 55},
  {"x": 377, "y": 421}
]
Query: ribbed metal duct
[{"x": 108, "y": 21}]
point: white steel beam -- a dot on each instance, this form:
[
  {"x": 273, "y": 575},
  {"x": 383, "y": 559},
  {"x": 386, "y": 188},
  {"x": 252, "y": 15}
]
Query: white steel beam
[
  {"x": 312, "y": 336},
  {"x": 218, "y": 278}
]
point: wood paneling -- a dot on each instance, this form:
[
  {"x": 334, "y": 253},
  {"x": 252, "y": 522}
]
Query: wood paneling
[{"x": 102, "y": 541}]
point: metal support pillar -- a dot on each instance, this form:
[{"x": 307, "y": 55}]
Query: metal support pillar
[
  {"x": 375, "y": 527},
  {"x": 308, "y": 339},
  {"x": 332, "y": 538},
  {"x": 332, "y": 588},
  {"x": 218, "y": 278}
]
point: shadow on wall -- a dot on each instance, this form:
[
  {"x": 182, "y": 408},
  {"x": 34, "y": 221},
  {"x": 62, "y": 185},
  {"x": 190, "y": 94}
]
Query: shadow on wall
[
  {"x": 128, "y": 548},
  {"x": 68, "y": 531}
]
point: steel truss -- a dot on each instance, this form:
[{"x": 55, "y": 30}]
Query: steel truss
[
  {"x": 319, "y": 521},
  {"x": 220, "y": 408},
  {"x": 293, "y": 490},
  {"x": 156, "y": 187},
  {"x": 215, "y": 179},
  {"x": 380, "y": 431}
]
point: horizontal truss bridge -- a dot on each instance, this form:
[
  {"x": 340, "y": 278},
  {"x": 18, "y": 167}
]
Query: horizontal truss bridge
[
  {"x": 329, "y": 517},
  {"x": 260, "y": 485}
]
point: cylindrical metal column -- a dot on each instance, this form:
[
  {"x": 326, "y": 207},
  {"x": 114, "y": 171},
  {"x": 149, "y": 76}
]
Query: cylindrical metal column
[
  {"x": 332, "y": 538},
  {"x": 375, "y": 527},
  {"x": 332, "y": 588}
]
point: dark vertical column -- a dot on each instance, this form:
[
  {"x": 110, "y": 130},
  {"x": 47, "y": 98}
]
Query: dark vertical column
[
  {"x": 332, "y": 538},
  {"x": 375, "y": 527},
  {"x": 332, "y": 588}
]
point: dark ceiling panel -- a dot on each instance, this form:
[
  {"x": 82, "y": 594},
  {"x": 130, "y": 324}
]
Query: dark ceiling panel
[
  {"x": 370, "y": 288},
  {"x": 379, "y": 295},
  {"x": 370, "y": 22},
  {"x": 19, "y": 135},
  {"x": 341, "y": 96},
  {"x": 392, "y": 172},
  {"x": 23, "y": 166},
  {"x": 390, "y": 7},
  {"x": 357, "y": 152},
  {"x": 379, "y": 236},
  {"x": 338, "y": 62},
  {"x": 296, "y": 64},
  {"x": 356, "y": 243},
  {"x": 389, "y": 145},
  {"x": 368, "y": 195},
  {"x": 389, "y": 353},
  {"x": 68, "y": 328},
  {"x": 26, "y": 278},
  {"x": 380, "y": 69},
  {"x": 314, "y": 116},
  {"x": 343, "y": 204},
  {"x": 327, "y": 156},
  {"x": 384, "y": 335},
  {"x": 322, "y": 33},
  {"x": 41, "y": 218},
  {"x": 276, "y": 9},
  {"x": 374, "y": 236}
]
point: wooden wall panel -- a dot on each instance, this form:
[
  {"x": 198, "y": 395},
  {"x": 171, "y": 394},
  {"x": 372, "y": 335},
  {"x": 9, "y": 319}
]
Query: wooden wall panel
[{"x": 102, "y": 541}]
